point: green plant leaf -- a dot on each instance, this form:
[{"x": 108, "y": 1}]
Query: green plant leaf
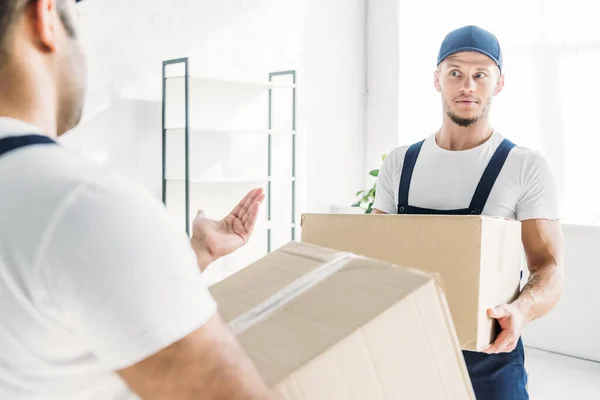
[{"x": 368, "y": 196}]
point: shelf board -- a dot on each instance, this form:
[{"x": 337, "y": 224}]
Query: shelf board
[
  {"x": 206, "y": 81},
  {"x": 198, "y": 85},
  {"x": 233, "y": 180},
  {"x": 265, "y": 132},
  {"x": 266, "y": 225}
]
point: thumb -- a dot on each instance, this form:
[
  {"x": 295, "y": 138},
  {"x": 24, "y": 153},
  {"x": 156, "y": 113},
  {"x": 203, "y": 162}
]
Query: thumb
[
  {"x": 498, "y": 312},
  {"x": 200, "y": 214}
]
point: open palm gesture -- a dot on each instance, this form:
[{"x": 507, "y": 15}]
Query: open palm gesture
[{"x": 214, "y": 239}]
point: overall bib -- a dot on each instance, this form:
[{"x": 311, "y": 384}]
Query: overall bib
[
  {"x": 11, "y": 143},
  {"x": 494, "y": 376}
]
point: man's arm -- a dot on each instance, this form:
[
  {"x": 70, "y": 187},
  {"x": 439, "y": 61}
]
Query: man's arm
[
  {"x": 543, "y": 244},
  {"x": 124, "y": 273},
  {"x": 208, "y": 364}
]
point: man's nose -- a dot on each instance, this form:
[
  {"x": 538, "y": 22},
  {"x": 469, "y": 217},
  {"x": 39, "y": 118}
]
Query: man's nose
[{"x": 468, "y": 85}]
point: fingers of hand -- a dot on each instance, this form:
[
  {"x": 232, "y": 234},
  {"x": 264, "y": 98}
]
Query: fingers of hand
[
  {"x": 251, "y": 205},
  {"x": 494, "y": 348},
  {"x": 249, "y": 218},
  {"x": 239, "y": 229},
  {"x": 258, "y": 195},
  {"x": 510, "y": 344},
  {"x": 246, "y": 212},
  {"x": 255, "y": 205},
  {"x": 239, "y": 208},
  {"x": 246, "y": 202},
  {"x": 500, "y": 311},
  {"x": 504, "y": 343}
]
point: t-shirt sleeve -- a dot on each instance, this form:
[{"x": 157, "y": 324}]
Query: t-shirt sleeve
[
  {"x": 123, "y": 274},
  {"x": 540, "y": 193},
  {"x": 386, "y": 184}
]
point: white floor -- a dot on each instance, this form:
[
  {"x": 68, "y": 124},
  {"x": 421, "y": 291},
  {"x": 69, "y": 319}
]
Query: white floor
[{"x": 554, "y": 377}]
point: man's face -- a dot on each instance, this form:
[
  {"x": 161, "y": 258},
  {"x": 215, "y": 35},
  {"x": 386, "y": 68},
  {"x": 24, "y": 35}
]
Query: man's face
[
  {"x": 72, "y": 71},
  {"x": 468, "y": 82}
]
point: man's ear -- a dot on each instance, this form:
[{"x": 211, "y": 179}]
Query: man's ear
[
  {"x": 499, "y": 85},
  {"x": 46, "y": 22},
  {"x": 436, "y": 80}
]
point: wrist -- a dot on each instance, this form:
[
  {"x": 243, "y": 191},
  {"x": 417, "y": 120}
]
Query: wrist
[
  {"x": 204, "y": 260},
  {"x": 203, "y": 256},
  {"x": 525, "y": 304}
]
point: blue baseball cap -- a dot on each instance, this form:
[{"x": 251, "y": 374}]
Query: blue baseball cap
[{"x": 471, "y": 38}]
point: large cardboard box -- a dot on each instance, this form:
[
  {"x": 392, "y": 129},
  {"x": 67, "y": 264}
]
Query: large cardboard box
[
  {"x": 478, "y": 258},
  {"x": 323, "y": 325}
]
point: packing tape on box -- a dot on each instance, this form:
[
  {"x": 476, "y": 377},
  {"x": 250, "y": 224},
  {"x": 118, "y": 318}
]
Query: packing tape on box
[{"x": 264, "y": 309}]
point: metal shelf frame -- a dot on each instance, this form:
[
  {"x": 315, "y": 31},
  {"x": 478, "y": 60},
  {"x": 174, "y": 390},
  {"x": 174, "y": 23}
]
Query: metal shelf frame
[
  {"x": 187, "y": 129},
  {"x": 269, "y": 172},
  {"x": 165, "y": 64}
]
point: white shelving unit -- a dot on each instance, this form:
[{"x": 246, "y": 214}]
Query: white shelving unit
[
  {"x": 203, "y": 114},
  {"x": 264, "y": 132},
  {"x": 233, "y": 180},
  {"x": 174, "y": 87},
  {"x": 199, "y": 82}
]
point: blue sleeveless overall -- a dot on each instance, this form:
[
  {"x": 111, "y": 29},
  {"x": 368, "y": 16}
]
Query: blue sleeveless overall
[
  {"x": 11, "y": 143},
  {"x": 494, "y": 376}
]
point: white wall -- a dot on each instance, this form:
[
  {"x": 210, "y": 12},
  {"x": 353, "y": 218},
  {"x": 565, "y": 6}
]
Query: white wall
[
  {"x": 230, "y": 38},
  {"x": 573, "y": 327},
  {"x": 382, "y": 80},
  {"x": 127, "y": 40},
  {"x": 334, "y": 95}
]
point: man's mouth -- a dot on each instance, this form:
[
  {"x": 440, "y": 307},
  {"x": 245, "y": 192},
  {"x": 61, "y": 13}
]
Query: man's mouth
[{"x": 467, "y": 101}]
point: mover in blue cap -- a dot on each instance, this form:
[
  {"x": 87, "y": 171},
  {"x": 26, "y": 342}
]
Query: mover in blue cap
[
  {"x": 101, "y": 295},
  {"x": 468, "y": 168}
]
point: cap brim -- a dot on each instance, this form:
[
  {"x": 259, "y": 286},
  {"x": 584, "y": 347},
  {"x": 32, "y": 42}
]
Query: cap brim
[{"x": 461, "y": 49}]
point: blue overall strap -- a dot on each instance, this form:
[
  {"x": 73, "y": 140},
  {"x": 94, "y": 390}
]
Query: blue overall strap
[
  {"x": 484, "y": 188},
  {"x": 410, "y": 159},
  {"x": 11, "y": 143}
]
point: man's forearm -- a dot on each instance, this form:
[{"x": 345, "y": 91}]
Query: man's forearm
[
  {"x": 207, "y": 364},
  {"x": 542, "y": 291}
]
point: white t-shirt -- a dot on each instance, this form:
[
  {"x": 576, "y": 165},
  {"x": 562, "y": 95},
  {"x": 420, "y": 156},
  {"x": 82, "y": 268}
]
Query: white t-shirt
[
  {"x": 94, "y": 276},
  {"x": 445, "y": 180}
]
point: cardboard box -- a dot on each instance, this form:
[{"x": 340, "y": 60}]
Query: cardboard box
[
  {"x": 324, "y": 325},
  {"x": 478, "y": 258}
]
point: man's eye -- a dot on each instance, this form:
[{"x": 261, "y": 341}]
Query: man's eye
[
  {"x": 454, "y": 73},
  {"x": 479, "y": 75}
]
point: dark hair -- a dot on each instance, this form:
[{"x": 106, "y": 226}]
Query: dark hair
[{"x": 10, "y": 11}]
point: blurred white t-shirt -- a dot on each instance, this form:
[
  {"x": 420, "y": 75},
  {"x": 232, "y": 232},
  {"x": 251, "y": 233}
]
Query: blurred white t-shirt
[
  {"x": 94, "y": 276},
  {"x": 445, "y": 180}
]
